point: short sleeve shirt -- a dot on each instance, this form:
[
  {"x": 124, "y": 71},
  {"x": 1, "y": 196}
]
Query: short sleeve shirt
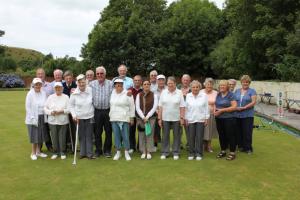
[
  {"x": 243, "y": 100},
  {"x": 225, "y": 102}
]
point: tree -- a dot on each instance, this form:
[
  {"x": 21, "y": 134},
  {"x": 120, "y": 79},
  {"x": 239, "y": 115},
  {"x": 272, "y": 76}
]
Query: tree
[
  {"x": 124, "y": 34},
  {"x": 260, "y": 29},
  {"x": 187, "y": 36}
]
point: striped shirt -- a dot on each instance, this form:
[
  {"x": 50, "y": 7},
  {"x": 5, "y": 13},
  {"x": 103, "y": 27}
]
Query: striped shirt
[{"x": 101, "y": 93}]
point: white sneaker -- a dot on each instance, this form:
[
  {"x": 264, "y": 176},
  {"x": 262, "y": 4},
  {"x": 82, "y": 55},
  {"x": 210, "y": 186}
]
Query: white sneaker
[
  {"x": 162, "y": 157},
  {"x": 127, "y": 156},
  {"x": 191, "y": 158},
  {"x": 143, "y": 156},
  {"x": 42, "y": 155},
  {"x": 33, "y": 157},
  {"x": 198, "y": 158},
  {"x": 149, "y": 156},
  {"x": 154, "y": 149},
  {"x": 117, "y": 155},
  {"x": 131, "y": 151},
  {"x": 63, "y": 157},
  {"x": 54, "y": 156},
  {"x": 175, "y": 157}
]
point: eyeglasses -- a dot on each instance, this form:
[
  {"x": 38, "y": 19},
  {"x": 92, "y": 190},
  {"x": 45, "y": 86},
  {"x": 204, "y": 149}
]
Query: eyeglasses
[
  {"x": 153, "y": 74},
  {"x": 101, "y": 73},
  {"x": 146, "y": 84}
]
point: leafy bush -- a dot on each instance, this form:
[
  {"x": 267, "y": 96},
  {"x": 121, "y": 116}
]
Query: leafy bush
[{"x": 11, "y": 81}]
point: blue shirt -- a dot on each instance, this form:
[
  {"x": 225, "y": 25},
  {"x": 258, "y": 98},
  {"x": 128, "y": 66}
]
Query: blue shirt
[
  {"x": 128, "y": 82},
  {"x": 225, "y": 102},
  {"x": 243, "y": 100}
]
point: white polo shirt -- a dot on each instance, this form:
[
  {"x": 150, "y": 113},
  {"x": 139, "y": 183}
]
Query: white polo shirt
[{"x": 171, "y": 102}]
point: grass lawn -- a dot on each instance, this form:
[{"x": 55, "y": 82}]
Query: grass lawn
[{"x": 272, "y": 172}]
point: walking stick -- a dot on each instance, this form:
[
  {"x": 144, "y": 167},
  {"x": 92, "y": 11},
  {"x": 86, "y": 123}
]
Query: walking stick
[{"x": 76, "y": 139}]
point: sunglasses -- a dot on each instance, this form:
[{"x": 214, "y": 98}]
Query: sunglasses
[{"x": 100, "y": 73}]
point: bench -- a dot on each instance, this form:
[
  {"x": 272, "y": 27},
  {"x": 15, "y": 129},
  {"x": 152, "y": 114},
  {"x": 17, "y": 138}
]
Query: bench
[
  {"x": 291, "y": 102},
  {"x": 266, "y": 97}
]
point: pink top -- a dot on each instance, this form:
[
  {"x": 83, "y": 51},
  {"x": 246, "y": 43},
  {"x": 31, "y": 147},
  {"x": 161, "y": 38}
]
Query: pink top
[{"x": 211, "y": 99}]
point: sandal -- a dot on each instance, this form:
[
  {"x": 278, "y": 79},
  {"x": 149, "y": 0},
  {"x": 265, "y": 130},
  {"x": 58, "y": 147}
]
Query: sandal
[
  {"x": 230, "y": 157},
  {"x": 221, "y": 154}
]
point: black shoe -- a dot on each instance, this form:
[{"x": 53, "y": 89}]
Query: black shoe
[
  {"x": 107, "y": 155},
  {"x": 97, "y": 155},
  {"x": 92, "y": 157},
  {"x": 82, "y": 157}
]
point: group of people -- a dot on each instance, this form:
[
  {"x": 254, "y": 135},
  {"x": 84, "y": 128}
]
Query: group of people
[{"x": 152, "y": 107}]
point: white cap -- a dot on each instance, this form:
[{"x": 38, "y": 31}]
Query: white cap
[
  {"x": 37, "y": 80},
  {"x": 57, "y": 84},
  {"x": 161, "y": 76},
  {"x": 118, "y": 80},
  {"x": 80, "y": 76}
]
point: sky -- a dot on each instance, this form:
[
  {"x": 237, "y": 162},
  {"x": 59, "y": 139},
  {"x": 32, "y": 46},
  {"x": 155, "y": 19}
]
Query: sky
[{"x": 59, "y": 27}]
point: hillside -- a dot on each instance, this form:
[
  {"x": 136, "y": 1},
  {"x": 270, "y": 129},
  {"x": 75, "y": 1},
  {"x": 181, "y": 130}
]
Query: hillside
[{"x": 21, "y": 54}]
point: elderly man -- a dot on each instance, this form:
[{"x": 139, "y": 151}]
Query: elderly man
[
  {"x": 127, "y": 81},
  {"x": 89, "y": 74},
  {"x": 58, "y": 75},
  {"x": 185, "y": 89},
  {"x": 101, "y": 90},
  {"x": 69, "y": 86},
  {"x": 232, "y": 84},
  {"x": 137, "y": 88},
  {"x": 48, "y": 88},
  {"x": 69, "y": 83},
  {"x": 153, "y": 81}
]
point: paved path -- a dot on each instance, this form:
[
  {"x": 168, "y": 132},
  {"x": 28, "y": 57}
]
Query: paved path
[{"x": 270, "y": 111}]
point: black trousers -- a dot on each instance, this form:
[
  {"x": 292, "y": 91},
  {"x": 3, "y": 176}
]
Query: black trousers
[
  {"x": 71, "y": 134},
  {"x": 132, "y": 138},
  {"x": 245, "y": 130},
  {"x": 102, "y": 121},
  {"x": 227, "y": 133}
]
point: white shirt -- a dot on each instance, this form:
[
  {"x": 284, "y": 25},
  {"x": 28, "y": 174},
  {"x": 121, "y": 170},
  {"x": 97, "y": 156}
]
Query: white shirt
[
  {"x": 171, "y": 102},
  {"x": 196, "y": 109},
  {"x": 121, "y": 107},
  {"x": 81, "y": 104},
  {"x": 140, "y": 112},
  {"x": 57, "y": 103},
  {"x": 34, "y": 105}
]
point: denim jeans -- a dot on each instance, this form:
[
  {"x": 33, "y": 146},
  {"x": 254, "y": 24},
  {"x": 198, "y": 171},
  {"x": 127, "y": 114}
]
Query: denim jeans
[{"x": 121, "y": 130}]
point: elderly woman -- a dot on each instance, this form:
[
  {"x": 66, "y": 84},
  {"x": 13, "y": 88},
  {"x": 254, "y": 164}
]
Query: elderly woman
[
  {"x": 35, "y": 119},
  {"x": 82, "y": 110},
  {"x": 121, "y": 113},
  {"x": 196, "y": 117},
  {"x": 171, "y": 115},
  {"x": 210, "y": 130},
  {"x": 56, "y": 107},
  {"x": 246, "y": 99},
  {"x": 146, "y": 105},
  {"x": 225, "y": 119}
]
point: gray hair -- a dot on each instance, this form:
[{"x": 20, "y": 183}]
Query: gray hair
[
  {"x": 122, "y": 65},
  {"x": 232, "y": 80},
  {"x": 153, "y": 72},
  {"x": 89, "y": 71},
  {"x": 68, "y": 73},
  {"x": 101, "y": 68},
  {"x": 58, "y": 71},
  {"x": 195, "y": 82},
  {"x": 186, "y": 76},
  {"x": 171, "y": 78},
  {"x": 209, "y": 80}
]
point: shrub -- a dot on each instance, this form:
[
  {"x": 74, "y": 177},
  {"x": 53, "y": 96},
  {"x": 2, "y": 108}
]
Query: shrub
[{"x": 11, "y": 81}]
